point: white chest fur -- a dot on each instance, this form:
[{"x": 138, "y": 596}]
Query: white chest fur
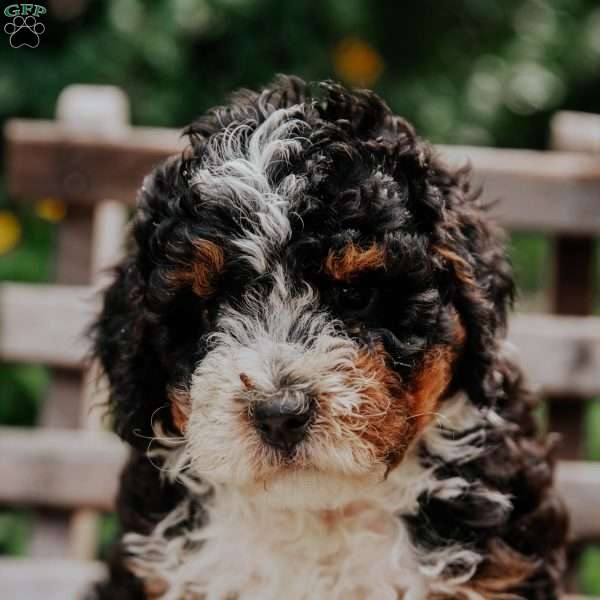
[{"x": 251, "y": 551}]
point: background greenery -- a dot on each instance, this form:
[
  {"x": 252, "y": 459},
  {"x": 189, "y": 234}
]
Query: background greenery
[{"x": 486, "y": 72}]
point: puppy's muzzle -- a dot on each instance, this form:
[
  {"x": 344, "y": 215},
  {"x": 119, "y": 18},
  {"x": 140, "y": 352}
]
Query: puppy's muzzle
[{"x": 283, "y": 420}]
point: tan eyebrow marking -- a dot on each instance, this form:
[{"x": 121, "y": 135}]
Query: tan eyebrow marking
[
  {"x": 208, "y": 263},
  {"x": 344, "y": 265}
]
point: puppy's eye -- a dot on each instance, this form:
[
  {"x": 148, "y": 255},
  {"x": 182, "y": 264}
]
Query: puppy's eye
[{"x": 355, "y": 299}]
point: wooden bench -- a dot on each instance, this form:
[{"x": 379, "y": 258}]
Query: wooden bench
[{"x": 67, "y": 468}]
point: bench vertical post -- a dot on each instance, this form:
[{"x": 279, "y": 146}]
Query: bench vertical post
[
  {"x": 573, "y": 283},
  {"x": 110, "y": 218},
  {"x": 97, "y": 111},
  {"x": 572, "y": 293}
]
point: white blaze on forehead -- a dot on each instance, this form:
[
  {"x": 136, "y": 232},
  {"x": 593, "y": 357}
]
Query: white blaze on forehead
[{"x": 235, "y": 171}]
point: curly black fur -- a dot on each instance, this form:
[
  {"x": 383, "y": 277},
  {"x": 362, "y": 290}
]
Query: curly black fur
[{"x": 368, "y": 178}]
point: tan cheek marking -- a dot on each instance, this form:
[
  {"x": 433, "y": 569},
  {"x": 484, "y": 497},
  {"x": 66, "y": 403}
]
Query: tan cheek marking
[
  {"x": 434, "y": 378},
  {"x": 352, "y": 260},
  {"x": 181, "y": 406},
  {"x": 380, "y": 419},
  {"x": 392, "y": 412},
  {"x": 201, "y": 275},
  {"x": 461, "y": 267},
  {"x": 429, "y": 385}
]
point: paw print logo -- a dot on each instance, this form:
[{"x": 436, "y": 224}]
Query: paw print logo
[{"x": 24, "y": 31}]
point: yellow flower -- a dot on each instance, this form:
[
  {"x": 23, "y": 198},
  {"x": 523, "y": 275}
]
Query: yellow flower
[
  {"x": 357, "y": 62},
  {"x": 51, "y": 209},
  {"x": 10, "y": 231}
]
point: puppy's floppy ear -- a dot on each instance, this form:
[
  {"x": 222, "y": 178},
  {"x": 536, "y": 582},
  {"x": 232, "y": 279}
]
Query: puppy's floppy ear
[
  {"x": 125, "y": 333},
  {"x": 469, "y": 252}
]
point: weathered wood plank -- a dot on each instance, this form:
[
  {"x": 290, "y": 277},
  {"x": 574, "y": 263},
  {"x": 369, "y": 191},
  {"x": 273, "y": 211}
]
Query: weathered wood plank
[
  {"x": 66, "y": 469},
  {"x": 44, "y": 159},
  {"x": 60, "y": 406},
  {"x": 571, "y": 293},
  {"x": 93, "y": 110},
  {"x": 551, "y": 192},
  {"x": 45, "y": 323},
  {"x": 108, "y": 240},
  {"x": 576, "y": 131},
  {"x": 559, "y": 354},
  {"x": 48, "y": 533},
  {"x": 49, "y": 579},
  {"x": 541, "y": 191},
  {"x": 579, "y": 484},
  {"x": 80, "y": 469},
  {"x": 48, "y": 323},
  {"x": 110, "y": 218}
]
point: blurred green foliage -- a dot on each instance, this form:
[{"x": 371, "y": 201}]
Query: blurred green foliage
[
  {"x": 22, "y": 388},
  {"x": 592, "y": 433},
  {"x": 31, "y": 259},
  {"x": 590, "y": 570},
  {"x": 477, "y": 71},
  {"x": 486, "y": 72},
  {"x": 108, "y": 531},
  {"x": 531, "y": 258},
  {"x": 14, "y": 531}
]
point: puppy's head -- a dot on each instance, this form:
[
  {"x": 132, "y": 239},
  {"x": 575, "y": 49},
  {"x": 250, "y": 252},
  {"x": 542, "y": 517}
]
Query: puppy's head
[{"x": 307, "y": 283}]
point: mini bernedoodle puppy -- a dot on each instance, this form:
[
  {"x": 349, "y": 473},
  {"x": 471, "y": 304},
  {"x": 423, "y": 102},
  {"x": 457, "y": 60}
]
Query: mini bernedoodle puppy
[{"x": 305, "y": 349}]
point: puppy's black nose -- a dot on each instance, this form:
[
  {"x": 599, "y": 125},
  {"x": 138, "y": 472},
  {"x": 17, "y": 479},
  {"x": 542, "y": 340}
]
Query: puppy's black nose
[{"x": 282, "y": 422}]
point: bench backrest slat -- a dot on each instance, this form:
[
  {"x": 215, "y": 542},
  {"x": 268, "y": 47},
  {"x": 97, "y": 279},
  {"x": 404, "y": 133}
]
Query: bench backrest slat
[
  {"x": 47, "y": 324},
  {"x": 554, "y": 192}
]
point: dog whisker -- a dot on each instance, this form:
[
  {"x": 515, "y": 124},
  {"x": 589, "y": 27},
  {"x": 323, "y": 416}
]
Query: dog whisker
[{"x": 439, "y": 416}]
